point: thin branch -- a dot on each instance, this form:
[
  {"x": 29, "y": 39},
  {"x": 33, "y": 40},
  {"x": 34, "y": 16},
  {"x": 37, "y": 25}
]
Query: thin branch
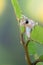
[
  {"x": 26, "y": 51},
  {"x": 33, "y": 41},
  {"x": 37, "y": 61}
]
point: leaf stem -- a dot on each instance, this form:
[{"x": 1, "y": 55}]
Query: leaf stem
[
  {"x": 37, "y": 61},
  {"x": 26, "y": 50}
]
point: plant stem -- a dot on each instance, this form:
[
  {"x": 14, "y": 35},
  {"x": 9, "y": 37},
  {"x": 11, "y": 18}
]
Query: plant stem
[
  {"x": 37, "y": 61},
  {"x": 27, "y": 56},
  {"x": 26, "y": 51}
]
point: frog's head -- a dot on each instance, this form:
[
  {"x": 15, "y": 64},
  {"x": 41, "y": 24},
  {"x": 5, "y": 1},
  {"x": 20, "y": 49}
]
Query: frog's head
[{"x": 24, "y": 20}]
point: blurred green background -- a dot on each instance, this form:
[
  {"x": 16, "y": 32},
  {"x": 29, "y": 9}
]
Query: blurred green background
[{"x": 11, "y": 51}]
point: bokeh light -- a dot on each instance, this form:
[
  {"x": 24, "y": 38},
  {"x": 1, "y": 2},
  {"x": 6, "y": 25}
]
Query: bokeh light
[
  {"x": 2, "y": 6},
  {"x": 35, "y": 9}
]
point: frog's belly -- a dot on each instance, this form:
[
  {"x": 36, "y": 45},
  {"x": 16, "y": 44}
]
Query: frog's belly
[{"x": 28, "y": 30}]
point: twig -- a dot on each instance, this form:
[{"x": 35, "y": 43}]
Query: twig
[
  {"x": 37, "y": 61},
  {"x": 26, "y": 51},
  {"x": 33, "y": 41}
]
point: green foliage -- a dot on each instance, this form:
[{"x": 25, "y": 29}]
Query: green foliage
[
  {"x": 22, "y": 29},
  {"x": 40, "y": 63},
  {"x": 16, "y": 7},
  {"x": 41, "y": 57},
  {"x": 37, "y": 34},
  {"x": 35, "y": 50}
]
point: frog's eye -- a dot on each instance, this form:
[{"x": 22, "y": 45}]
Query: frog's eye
[{"x": 27, "y": 21}]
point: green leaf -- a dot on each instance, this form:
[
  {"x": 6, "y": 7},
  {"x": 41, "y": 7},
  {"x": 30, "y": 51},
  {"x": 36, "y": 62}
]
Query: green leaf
[
  {"x": 41, "y": 57},
  {"x": 22, "y": 29},
  {"x": 35, "y": 49},
  {"x": 32, "y": 58},
  {"x": 17, "y": 9},
  {"x": 37, "y": 34},
  {"x": 40, "y": 63}
]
